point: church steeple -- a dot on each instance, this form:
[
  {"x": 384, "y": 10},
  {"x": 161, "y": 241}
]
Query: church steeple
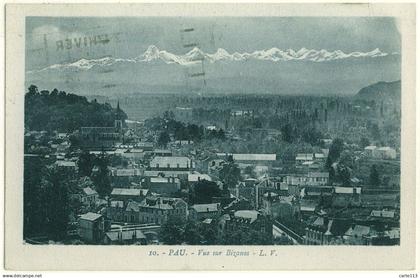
[{"x": 118, "y": 117}]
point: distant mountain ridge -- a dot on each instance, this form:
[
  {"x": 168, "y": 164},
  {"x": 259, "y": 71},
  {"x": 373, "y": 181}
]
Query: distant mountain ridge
[
  {"x": 196, "y": 55},
  {"x": 381, "y": 90}
]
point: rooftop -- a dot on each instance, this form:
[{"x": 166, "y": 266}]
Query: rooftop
[
  {"x": 347, "y": 190},
  {"x": 383, "y": 213},
  {"x": 206, "y": 207},
  {"x": 90, "y": 216},
  {"x": 248, "y": 214},
  {"x": 62, "y": 163},
  {"x": 171, "y": 162},
  {"x": 125, "y": 235},
  {"x": 163, "y": 180},
  {"x": 89, "y": 191},
  {"x": 197, "y": 177},
  {"x": 318, "y": 174},
  {"x": 254, "y": 157},
  {"x": 129, "y": 191}
]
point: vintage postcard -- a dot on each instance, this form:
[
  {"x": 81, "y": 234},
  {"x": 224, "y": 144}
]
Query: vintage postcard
[{"x": 210, "y": 137}]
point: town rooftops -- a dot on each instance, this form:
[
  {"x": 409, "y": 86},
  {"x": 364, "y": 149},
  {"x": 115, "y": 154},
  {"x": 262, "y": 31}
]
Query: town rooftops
[
  {"x": 125, "y": 235},
  {"x": 90, "y": 216},
  {"x": 304, "y": 156},
  {"x": 359, "y": 231},
  {"x": 89, "y": 191},
  {"x": 254, "y": 157},
  {"x": 126, "y": 172},
  {"x": 162, "y": 151},
  {"x": 383, "y": 213},
  {"x": 132, "y": 206},
  {"x": 62, "y": 163},
  {"x": 197, "y": 177},
  {"x": 206, "y": 207},
  {"x": 129, "y": 192},
  {"x": 160, "y": 202},
  {"x": 163, "y": 179},
  {"x": 117, "y": 204},
  {"x": 172, "y": 162},
  {"x": 166, "y": 173},
  {"x": 318, "y": 174},
  {"x": 347, "y": 190},
  {"x": 385, "y": 149},
  {"x": 252, "y": 215}
]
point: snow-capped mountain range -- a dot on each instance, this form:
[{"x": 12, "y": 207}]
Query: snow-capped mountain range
[{"x": 196, "y": 55}]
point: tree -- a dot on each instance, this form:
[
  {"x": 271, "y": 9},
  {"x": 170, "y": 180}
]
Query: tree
[
  {"x": 204, "y": 191},
  {"x": 172, "y": 232},
  {"x": 364, "y": 142},
  {"x": 344, "y": 174},
  {"x": 246, "y": 236},
  {"x": 85, "y": 164},
  {"x": 32, "y": 90},
  {"x": 374, "y": 179},
  {"x": 34, "y": 216},
  {"x": 58, "y": 205},
  {"x": 163, "y": 139},
  {"x": 250, "y": 171},
  {"x": 286, "y": 132},
  {"x": 335, "y": 149},
  {"x": 230, "y": 174},
  {"x": 191, "y": 233},
  {"x": 375, "y": 132},
  {"x": 101, "y": 178},
  {"x": 208, "y": 233}
]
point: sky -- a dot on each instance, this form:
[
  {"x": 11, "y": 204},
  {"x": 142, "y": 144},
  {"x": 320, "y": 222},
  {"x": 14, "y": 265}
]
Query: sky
[
  {"x": 130, "y": 37},
  {"x": 52, "y": 42}
]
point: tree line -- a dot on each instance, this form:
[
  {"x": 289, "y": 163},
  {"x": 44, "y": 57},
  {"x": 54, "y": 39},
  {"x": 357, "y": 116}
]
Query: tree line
[{"x": 65, "y": 112}]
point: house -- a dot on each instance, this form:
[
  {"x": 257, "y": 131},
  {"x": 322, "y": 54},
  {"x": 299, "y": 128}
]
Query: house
[
  {"x": 134, "y": 154},
  {"x": 89, "y": 196},
  {"x": 383, "y": 214},
  {"x": 159, "y": 209},
  {"x": 359, "y": 235},
  {"x": 125, "y": 237},
  {"x": 309, "y": 160},
  {"x": 277, "y": 206},
  {"x": 161, "y": 152},
  {"x": 344, "y": 196},
  {"x": 324, "y": 231},
  {"x": 66, "y": 164},
  {"x": 308, "y": 179},
  {"x": 251, "y": 158},
  {"x": 171, "y": 163},
  {"x": 124, "y": 177},
  {"x": 307, "y": 207},
  {"x": 369, "y": 150},
  {"x": 145, "y": 146},
  {"x": 115, "y": 211},
  {"x": 91, "y": 227},
  {"x": 131, "y": 212},
  {"x": 129, "y": 194},
  {"x": 200, "y": 212},
  {"x": 250, "y": 219},
  {"x": 163, "y": 185},
  {"x": 385, "y": 153},
  {"x": 193, "y": 178}
]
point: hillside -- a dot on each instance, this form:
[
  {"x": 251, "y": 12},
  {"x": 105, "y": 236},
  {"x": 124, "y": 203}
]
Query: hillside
[
  {"x": 381, "y": 90},
  {"x": 59, "y": 111}
]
